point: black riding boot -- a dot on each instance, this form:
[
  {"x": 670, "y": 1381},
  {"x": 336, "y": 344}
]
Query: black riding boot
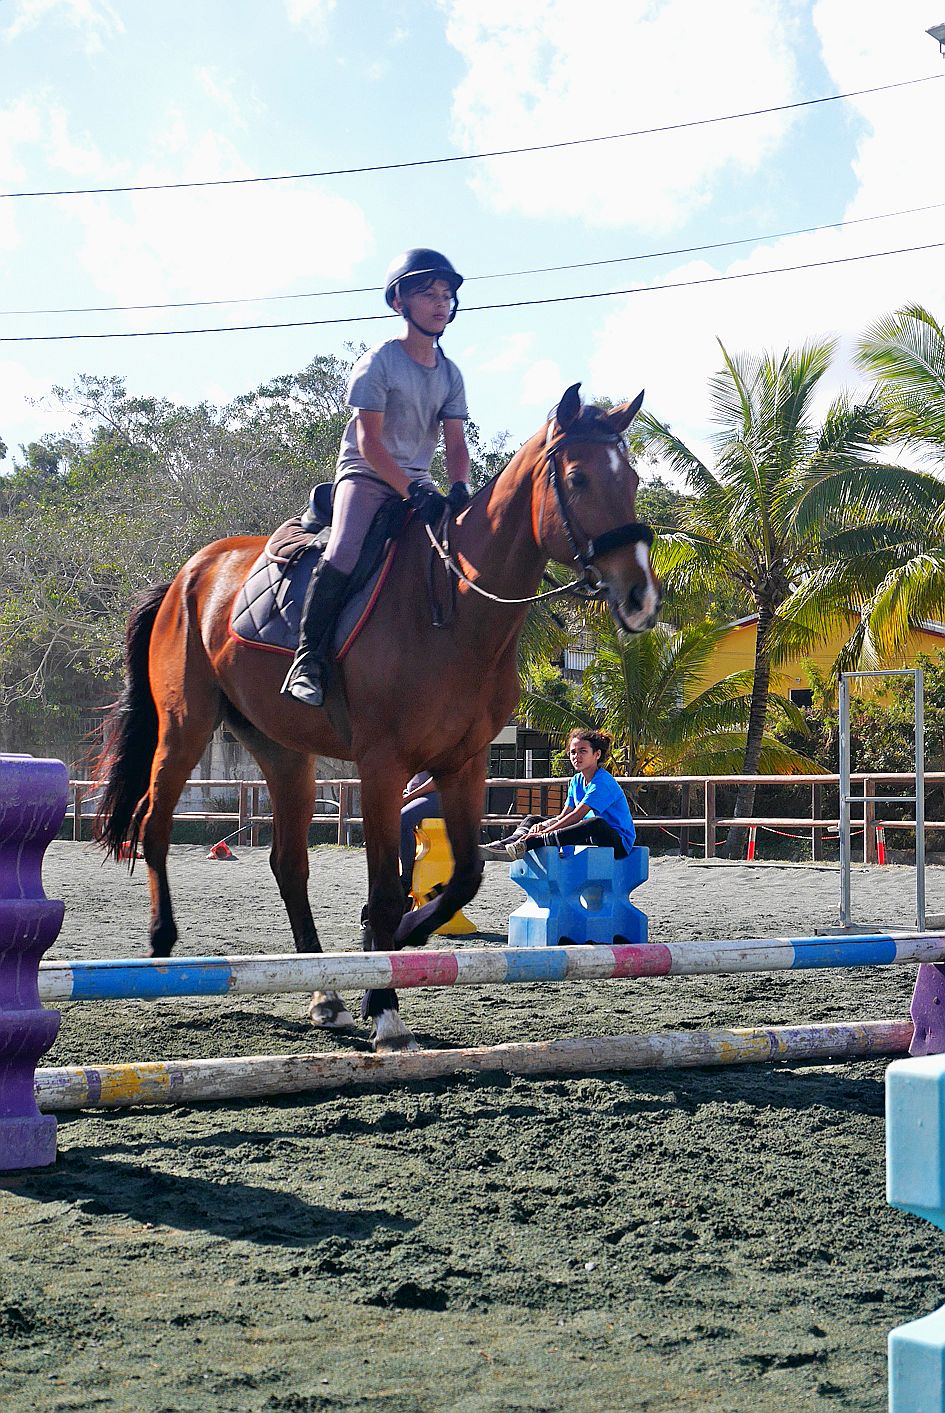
[{"x": 326, "y": 593}]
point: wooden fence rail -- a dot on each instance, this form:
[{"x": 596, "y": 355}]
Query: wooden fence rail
[{"x": 507, "y": 800}]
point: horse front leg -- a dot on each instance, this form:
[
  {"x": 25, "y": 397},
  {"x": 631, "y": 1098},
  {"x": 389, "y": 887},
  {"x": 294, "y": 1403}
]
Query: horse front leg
[
  {"x": 381, "y": 799},
  {"x": 462, "y": 796}
]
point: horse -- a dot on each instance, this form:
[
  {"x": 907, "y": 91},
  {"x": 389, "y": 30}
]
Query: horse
[{"x": 409, "y": 696}]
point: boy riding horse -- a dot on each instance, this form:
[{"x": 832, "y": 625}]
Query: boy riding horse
[{"x": 399, "y": 393}]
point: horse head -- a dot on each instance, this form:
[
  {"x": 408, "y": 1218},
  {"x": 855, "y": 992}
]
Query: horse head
[{"x": 584, "y": 507}]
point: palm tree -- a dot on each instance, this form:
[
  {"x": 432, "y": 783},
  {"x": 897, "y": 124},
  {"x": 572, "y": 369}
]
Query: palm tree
[
  {"x": 787, "y": 496},
  {"x": 906, "y": 353},
  {"x": 640, "y": 691}
]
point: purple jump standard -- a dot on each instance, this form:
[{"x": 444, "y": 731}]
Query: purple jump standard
[{"x": 33, "y": 795}]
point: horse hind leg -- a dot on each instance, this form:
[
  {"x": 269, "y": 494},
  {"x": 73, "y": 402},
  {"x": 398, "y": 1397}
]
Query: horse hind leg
[
  {"x": 290, "y": 776},
  {"x": 181, "y": 743},
  {"x": 188, "y": 702}
]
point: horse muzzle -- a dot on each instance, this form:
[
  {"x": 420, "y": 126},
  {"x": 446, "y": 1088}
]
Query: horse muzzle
[
  {"x": 638, "y": 612},
  {"x": 632, "y": 590},
  {"x": 635, "y": 607}
]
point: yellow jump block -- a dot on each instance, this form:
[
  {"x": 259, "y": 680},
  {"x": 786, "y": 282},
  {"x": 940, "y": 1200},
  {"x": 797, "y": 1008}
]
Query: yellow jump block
[{"x": 432, "y": 871}]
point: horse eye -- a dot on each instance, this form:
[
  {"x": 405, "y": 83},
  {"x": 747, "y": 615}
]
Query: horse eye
[{"x": 577, "y": 480}]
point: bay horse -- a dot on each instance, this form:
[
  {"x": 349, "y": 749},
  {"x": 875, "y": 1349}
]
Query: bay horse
[{"x": 409, "y": 696}]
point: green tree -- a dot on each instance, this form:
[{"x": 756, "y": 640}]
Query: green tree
[
  {"x": 639, "y": 690},
  {"x": 906, "y": 354},
  {"x": 787, "y": 495},
  {"x": 660, "y": 505},
  {"x": 137, "y": 486}
]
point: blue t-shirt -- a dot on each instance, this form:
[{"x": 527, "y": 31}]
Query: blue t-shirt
[{"x": 605, "y": 800}]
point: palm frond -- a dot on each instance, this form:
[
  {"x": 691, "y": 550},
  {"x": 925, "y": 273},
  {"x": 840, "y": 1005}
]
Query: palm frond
[
  {"x": 657, "y": 438},
  {"x": 910, "y": 593}
]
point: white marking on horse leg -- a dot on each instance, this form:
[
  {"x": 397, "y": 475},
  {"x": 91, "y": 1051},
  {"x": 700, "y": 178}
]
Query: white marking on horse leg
[
  {"x": 327, "y": 1010},
  {"x": 391, "y": 1034}
]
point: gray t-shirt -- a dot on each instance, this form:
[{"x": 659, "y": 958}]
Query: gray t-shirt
[{"x": 413, "y": 399}]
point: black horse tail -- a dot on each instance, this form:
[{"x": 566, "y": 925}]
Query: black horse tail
[{"x": 130, "y": 737}]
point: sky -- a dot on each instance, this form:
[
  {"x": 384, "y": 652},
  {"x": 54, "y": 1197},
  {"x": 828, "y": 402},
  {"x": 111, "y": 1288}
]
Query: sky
[{"x": 100, "y": 93}]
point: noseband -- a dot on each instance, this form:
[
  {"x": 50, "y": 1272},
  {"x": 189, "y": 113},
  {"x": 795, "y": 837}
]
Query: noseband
[
  {"x": 633, "y": 533},
  {"x": 592, "y": 585}
]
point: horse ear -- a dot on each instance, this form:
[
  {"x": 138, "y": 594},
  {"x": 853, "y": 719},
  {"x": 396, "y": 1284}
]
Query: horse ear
[
  {"x": 569, "y": 408},
  {"x": 619, "y": 418}
]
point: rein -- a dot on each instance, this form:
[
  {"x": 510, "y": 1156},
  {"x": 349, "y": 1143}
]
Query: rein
[
  {"x": 585, "y": 587},
  {"x": 449, "y": 563}
]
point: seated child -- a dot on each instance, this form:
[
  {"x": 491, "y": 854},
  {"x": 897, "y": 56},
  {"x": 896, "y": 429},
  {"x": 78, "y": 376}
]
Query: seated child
[{"x": 595, "y": 811}]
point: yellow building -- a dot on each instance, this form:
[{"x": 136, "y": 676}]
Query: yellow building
[{"x": 736, "y": 652}]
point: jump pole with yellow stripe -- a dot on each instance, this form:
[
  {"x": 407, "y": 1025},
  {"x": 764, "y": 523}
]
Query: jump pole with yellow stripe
[{"x": 261, "y": 1076}]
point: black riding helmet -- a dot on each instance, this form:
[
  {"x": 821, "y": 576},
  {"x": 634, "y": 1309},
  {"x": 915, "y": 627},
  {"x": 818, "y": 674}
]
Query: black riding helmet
[{"x": 419, "y": 265}]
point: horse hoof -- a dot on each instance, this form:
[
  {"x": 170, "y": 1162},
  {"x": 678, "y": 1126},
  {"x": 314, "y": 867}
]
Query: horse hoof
[
  {"x": 391, "y": 1036},
  {"x": 327, "y": 1010},
  {"x": 394, "y": 1045}
]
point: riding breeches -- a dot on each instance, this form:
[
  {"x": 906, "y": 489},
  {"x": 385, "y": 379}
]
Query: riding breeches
[
  {"x": 356, "y": 499},
  {"x": 587, "y": 831}
]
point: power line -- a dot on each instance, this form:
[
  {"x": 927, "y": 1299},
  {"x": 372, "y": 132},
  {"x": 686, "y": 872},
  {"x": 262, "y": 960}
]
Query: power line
[
  {"x": 473, "y": 156},
  {"x": 492, "y": 275},
  {"x": 480, "y": 308}
]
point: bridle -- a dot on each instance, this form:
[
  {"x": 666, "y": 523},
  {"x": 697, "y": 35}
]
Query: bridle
[
  {"x": 633, "y": 533},
  {"x": 591, "y": 584}
]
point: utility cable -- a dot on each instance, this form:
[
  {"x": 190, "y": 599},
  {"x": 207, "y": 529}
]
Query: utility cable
[
  {"x": 493, "y": 275},
  {"x": 473, "y": 156},
  {"x": 480, "y": 308}
]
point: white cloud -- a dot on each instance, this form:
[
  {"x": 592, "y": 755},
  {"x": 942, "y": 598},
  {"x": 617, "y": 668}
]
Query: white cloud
[
  {"x": 27, "y": 404},
  {"x": 668, "y": 340},
  {"x": 312, "y": 15},
  {"x": 512, "y": 362},
  {"x": 76, "y": 155},
  {"x": 540, "y": 377},
  {"x": 898, "y": 157},
  {"x": 229, "y": 95},
  {"x": 509, "y": 355},
  {"x": 20, "y": 125},
  {"x": 96, "y": 20},
  {"x": 216, "y": 242},
  {"x": 537, "y": 72}
]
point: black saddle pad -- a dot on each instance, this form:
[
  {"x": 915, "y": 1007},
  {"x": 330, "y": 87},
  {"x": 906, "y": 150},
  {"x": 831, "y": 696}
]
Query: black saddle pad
[{"x": 267, "y": 611}]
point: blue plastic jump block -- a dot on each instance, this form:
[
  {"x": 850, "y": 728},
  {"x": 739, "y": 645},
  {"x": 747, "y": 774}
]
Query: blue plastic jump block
[
  {"x": 916, "y": 1367},
  {"x": 584, "y": 897},
  {"x": 915, "y": 1182},
  {"x": 915, "y": 1137}
]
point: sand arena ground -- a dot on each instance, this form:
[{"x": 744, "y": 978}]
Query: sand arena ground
[{"x": 700, "y": 1239}]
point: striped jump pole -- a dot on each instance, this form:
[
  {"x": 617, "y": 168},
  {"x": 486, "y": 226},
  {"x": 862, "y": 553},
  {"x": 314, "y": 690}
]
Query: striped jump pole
[
  {"x": 151, "y": 979},
  {"x": 258, "y": 1076}
]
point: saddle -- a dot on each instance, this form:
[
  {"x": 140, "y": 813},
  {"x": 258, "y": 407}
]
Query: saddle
[{"x": 267, "y": 611}]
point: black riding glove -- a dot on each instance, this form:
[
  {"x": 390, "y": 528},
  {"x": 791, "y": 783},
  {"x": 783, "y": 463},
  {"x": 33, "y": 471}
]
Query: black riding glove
[
  {"x": 427, "y": 501},
  {"x": 458, "y": 497}
]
